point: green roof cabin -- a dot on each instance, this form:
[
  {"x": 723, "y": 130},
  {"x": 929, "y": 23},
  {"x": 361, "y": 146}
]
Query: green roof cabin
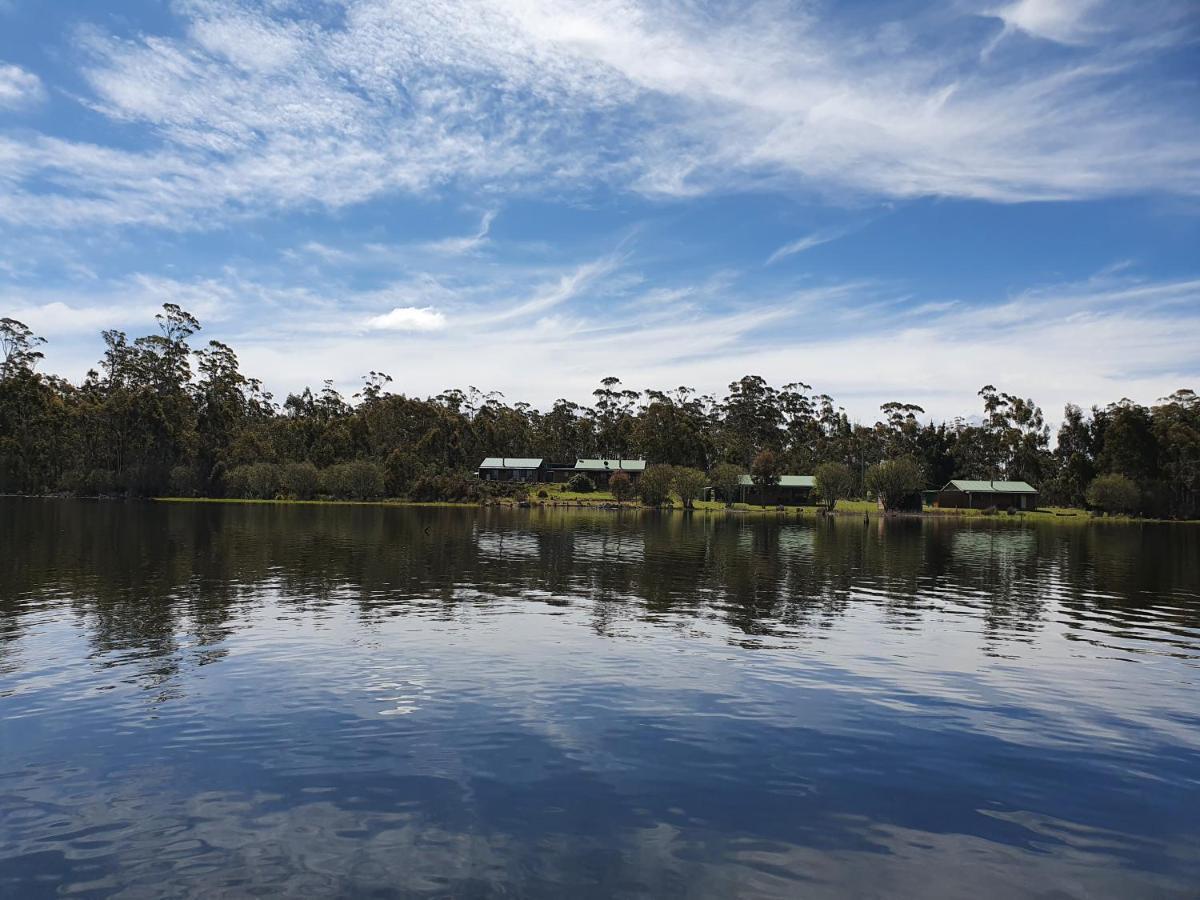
[
  {"x": 512, "y": 468},
  {"x": 791, "y": 490},
  {"x": 961, "y": 493}
]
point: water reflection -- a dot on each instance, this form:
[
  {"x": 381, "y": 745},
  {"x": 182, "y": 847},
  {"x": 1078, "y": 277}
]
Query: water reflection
[{"x": 357, "y": 700}]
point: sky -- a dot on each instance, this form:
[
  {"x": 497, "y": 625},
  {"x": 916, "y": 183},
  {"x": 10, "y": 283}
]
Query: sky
[{"x": 885, "y": 200}]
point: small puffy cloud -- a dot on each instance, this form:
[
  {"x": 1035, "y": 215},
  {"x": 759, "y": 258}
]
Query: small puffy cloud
[
  {"x": 18, "y": 87},
  {"x": 409, "y": 318},
  {"x": 1063, "y": 21}
]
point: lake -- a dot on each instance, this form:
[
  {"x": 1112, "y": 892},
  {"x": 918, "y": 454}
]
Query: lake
[{"x": 225, "y": 701}]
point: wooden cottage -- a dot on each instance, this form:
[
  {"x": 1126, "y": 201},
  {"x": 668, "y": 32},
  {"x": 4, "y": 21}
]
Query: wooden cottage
[
  {"x": 512, "y": 468},
  {"x": 791, "y": 490},
  {"x": 600, "y": 470},
  {"x": 964, "y": 494}
]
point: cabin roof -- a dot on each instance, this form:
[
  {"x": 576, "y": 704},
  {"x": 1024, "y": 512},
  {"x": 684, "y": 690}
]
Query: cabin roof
[
  {"x": 990, "y": 487},
  {"x": 792, "y": 481},
  {"x": 610, "y": 465},
  {"x": 511, "y": 462}
]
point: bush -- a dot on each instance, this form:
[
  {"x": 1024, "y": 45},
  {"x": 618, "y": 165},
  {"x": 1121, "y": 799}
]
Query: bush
[
  {"x": 654, "y": 487},
  {"x": 1114, "y": 494},
  {"x": 95, "y": 483},
  {"x": 542, "y": 495},
  {"x": 358, "y": 480},
  {"x": 834, "y": 482},
  {"x": 183, "y": 482},
  {"x": 727, "y": 479},
  {"x": 580, "y": 484},
  {"x": 895, "y": 482},
  {"x": 689, "y": 484},
  {"x": 621, "y": 486},
  {"x": 301, "y": 480},
  {"x": 401, "y": 469},
  {"x": 455, "y": 486},
  {"x": 256, "y": 481}
]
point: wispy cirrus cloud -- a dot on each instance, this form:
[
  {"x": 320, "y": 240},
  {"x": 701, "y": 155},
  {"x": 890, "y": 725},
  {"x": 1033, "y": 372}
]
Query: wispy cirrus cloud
[
  {"x": 18, "y": 87},
  {"x": 465, "y": 244},
  {"x": 816, "y": 239},
  {"x": 253, "y": 109},
  {"x": 1091, "y": 341}
]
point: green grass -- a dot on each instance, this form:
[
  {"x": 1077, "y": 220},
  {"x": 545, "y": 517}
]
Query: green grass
[{"x": 557, "y": 493}]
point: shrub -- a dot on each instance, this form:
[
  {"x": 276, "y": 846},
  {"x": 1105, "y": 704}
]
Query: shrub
[
  {"x": 621, "y": 486},
  {"x": 429, "y": 487},
  {"x": 580, "y": 484},
  {"x": 689, "y": 484},
  {"x": 727, "y": 479},
  {"x": 183, "y": 481},
  {"x": 301, "y": 480},
  {"x": 895, "y": 481},
  {"x": 542, "y": 495},
  {"x": 256, "y": 481},
  {"x": 401, "y": 469},
  {"x": 95, "y": 483},
  {"x": 357, "y": 480},
  {"x": 654, "y": 487},
  {"x": 1114, "y": 493},
  {"x": 835, "y": 482}
]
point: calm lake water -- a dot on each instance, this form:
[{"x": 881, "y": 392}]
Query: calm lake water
[{"x": 222, "y": 700}]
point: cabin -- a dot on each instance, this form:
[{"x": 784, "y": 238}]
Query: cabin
[
  {"x": 791, "y": 490},
  {"x": 600, "y": 470},
  {"x": 962, "y": 494},
  {"x": 512, "y": 468}
]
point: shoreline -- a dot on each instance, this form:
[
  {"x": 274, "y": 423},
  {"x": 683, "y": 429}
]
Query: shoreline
[{"x": 845, "y": 509}]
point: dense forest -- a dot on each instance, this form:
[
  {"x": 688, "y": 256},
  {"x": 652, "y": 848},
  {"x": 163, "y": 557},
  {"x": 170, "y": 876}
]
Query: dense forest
[{"x": 160, "y": 417}]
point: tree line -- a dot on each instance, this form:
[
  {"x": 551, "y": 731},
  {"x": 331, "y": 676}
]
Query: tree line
[{"x": 159, "y": 416}]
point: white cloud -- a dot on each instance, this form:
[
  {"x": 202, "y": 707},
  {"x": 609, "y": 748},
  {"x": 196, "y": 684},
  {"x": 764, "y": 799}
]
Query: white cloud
[
  {"x": 409, "y": 318},
  {"x": 538, "y": 334},
  {"x": 458, "y": 245},
  {"x": 801, "y": 244},
  {"x": 252, "y": 113},
  {"x": 18, "y": 87},
  {"x": 1064, "y": 21}
]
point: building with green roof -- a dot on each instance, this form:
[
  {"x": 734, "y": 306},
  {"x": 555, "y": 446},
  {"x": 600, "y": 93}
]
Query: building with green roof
[
  {"x": 789, "y": 490},
  {"x": 512, "y": 468},
  {"x": 600, "y": 470},
  {"x": 962, "y": 493}
]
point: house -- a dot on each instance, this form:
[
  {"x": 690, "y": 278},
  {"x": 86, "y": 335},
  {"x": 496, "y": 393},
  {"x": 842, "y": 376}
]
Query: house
[
  {"x": 962, "y": 494},
  {"x": 791, "y": 490},
  {"x": 512, "y": 468},
  {"x": 599, "y": 470}
]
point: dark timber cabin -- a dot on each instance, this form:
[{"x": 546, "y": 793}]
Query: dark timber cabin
[
  {"x": 512, "y": 468},
  {"x": 791, "y": 490},
  {"x": 599, "y": 470},
  {"x": 963, "y": 494}
]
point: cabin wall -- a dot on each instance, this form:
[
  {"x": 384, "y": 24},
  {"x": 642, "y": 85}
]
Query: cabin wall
[
  {"x": 528, "y": 476},
  {"x": 777, "y": 495},
  {"x": 984, "y": 499}
]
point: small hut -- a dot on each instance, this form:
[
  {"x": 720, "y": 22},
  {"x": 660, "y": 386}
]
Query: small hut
[
  {"x": 963, "y": 494},
  {"x": 790, "y": 490},
  {"x": 600, "y": 470},
  {"x": 512, "y": 468}
]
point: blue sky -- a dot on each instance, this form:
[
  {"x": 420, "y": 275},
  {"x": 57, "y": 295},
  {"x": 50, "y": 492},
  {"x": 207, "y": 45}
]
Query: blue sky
[{"x": 883, "y": 200}]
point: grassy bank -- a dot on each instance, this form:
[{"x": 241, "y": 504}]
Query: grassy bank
[{"x": 562, "y": 498}]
